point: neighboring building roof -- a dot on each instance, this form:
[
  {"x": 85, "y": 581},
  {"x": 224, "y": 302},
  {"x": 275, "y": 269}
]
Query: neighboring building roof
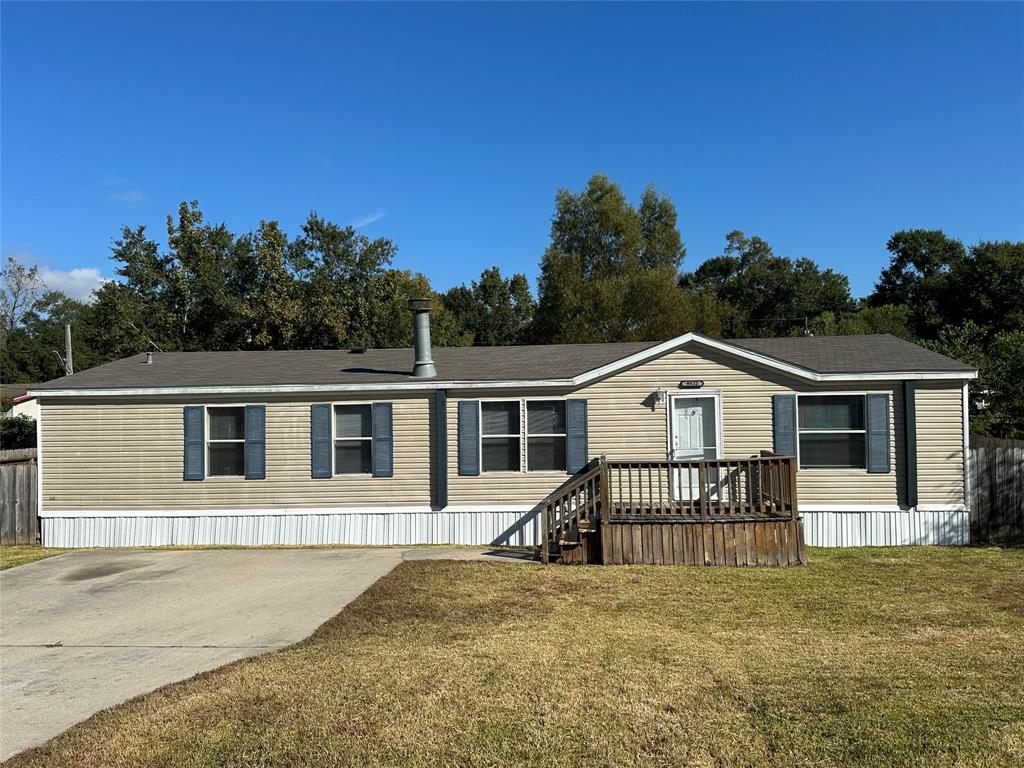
[
  {"x": 815, "y": 358},
  {"x": 10, "y": 392},
  {"x": 879, "y": 353}
]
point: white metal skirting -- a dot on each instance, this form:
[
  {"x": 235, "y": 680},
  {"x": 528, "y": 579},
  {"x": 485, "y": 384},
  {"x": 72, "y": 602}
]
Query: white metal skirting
[
  {"x": 511, "y": 528},
  {"x": 885, "y": 529},
  {"x": 481, "y": 528}
]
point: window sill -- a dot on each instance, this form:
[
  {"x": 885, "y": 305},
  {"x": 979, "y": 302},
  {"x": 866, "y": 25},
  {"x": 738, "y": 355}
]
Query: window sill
[{"x": 848, "y": 470}]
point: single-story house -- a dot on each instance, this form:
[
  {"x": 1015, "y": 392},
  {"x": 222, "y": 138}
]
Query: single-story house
[{"x": 461, "y": 445}]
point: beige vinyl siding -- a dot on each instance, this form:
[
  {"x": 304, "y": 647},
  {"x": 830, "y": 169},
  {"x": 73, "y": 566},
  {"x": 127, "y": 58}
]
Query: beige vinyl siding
[
  {"x": 624, "y": 423},
  {"x": 125, "y": 455},
  {"x": 940, "y": 444}
]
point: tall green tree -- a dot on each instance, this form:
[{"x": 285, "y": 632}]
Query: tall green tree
[
  {"x": 772, "y": 295},
  {"x": 495, "y": 309},
  {"x": 890, "y": 318},
  {"x": 918, "y": 277},
  {"x": 605, "y": 256},
  {"x": 987, "y": 287}
]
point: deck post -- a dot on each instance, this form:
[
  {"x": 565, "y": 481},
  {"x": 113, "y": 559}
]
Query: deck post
[
  {"x": 792, "y": 487},
  {"x": 603, "y": 499},
  {"x": 545, "y": 532}
]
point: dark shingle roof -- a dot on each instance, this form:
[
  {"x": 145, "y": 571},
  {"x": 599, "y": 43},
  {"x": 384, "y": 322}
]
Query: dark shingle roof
[
  {"x": 374, "y": 366},
  {"x": 880, "y": 353},
  {"x": 836, "y": 354}
]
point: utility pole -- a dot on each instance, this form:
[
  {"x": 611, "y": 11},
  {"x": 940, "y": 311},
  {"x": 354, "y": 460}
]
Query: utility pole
[{"x": 69, "y": 367}]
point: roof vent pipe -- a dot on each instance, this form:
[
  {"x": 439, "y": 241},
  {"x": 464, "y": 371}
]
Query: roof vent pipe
[
  {"x": 423, "y": 366},
  {"x": 149, "y": 357}
]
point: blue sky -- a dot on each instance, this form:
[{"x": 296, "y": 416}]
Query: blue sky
[{"x": 448, "y": 128}]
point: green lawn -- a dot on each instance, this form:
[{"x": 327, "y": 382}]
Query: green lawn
[
  {"x": 862, "y": 658},
  {"x": 19, "y": 555}
]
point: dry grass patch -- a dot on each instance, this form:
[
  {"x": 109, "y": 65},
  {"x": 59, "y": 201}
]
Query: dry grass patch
[
  {"x": 21, "y": 554},
  {"x": 863, "y": 658}
]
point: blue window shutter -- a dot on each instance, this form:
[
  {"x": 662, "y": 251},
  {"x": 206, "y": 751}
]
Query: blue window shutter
[
  {"x": 320, "y": 438},
  {"x": 195, "y": 442},
  {"x": 441, "y": 450},
  {"x": 255, "y": 442},
  {"x": 469, "y": 437},
  {"x": 910, "y": 439},
  {"x": 878, "y": 434},
  {"x": 383, "y": 441},
  {"x": 784, "y": 424},
  {"x": 576, "y": 451}
]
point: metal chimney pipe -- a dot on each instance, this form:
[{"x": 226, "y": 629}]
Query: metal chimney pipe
[
  {"x": 423, "y": 366},
  {"x": 69, "y": 366}
]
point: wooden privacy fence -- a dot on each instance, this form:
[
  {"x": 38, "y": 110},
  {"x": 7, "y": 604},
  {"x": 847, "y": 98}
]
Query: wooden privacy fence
[
  {"x": 997, "y": 491},
  {"x": 19, "y": 519}
]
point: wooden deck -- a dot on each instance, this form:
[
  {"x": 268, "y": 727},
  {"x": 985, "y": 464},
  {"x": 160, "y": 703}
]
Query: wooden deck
[{"x": 716, "y": 512}]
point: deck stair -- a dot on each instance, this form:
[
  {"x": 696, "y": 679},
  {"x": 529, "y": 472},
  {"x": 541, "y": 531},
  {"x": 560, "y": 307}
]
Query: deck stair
[{"x": 714, "y": 512}]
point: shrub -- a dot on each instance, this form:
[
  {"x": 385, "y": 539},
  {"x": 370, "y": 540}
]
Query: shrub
[{"x": 17, "y": 432}]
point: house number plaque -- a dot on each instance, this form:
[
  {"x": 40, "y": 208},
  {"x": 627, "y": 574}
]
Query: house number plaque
[{"x": 691, "y": 384}]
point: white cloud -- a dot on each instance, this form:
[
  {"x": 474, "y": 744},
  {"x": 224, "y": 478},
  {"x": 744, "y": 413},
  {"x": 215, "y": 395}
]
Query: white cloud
[
  {"x": 128, "y": 197},
  {"x": 375, "y": 215},
  {"x": 121, "y": 191},
  {"x": 78, "y": 283}
]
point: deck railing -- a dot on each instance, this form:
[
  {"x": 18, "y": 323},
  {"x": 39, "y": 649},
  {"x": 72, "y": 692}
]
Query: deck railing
[
  {"x": 751, "y": 491},
  {"x": 707, "y": 490}
]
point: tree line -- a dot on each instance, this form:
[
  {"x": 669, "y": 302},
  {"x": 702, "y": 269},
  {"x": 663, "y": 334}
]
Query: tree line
[{"x": 613, "y": 271}]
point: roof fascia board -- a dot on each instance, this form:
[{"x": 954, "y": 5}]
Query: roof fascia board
[{"x": 470, "y": 385}]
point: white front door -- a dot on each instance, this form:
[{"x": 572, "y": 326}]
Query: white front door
[{"x": 693, "y": 436}]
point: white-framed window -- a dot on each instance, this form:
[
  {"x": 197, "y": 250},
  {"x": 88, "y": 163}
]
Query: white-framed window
[
  {"x": 545, "y": 436},
  {"x": 500, "y": 436},
  {"x": 225, "y": 446},
  {"x": 832, "y": 431},
  {"x": 353, "y": 439}
]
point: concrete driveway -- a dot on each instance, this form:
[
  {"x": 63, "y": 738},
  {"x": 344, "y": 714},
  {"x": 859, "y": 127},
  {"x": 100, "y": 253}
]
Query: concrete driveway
[{"x": 84, "y": 631}]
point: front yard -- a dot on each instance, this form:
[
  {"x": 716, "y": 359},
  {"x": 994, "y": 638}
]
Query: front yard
[{"x": 862, "y": 658}]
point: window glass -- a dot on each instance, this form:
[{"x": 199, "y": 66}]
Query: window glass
[
  {"x": 545, "y": 454},
  {"x": 832, "y": 431},
  {"x": 227, "y": 459},
  {"x": 831, "y": 411},
  {"x": 545, "y": 435},
  {"x": 545, "y": 417},
  {"x": 352, "y": 457},
  {"x": 500, "y": 454},
  {"x": 225, "y": 455},
  {"x": 838, "y": 449},
  {"x": 353, "y": 439},
  {"x": 352, "y": 421},
  {"x": 499, "y": 418},
  {"x": 227, "y": 423}
]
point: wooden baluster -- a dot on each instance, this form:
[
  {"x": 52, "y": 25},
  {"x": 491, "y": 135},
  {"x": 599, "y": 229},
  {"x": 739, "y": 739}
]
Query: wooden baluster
[
  {"x": 650, "y": 489},
  {"x": 629, "y": 477},
  {"x": 702, "y": 481},
  {"x": 660, "y": 493}
]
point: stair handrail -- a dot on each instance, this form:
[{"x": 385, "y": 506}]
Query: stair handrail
[{"x": 557, "y": 510}]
